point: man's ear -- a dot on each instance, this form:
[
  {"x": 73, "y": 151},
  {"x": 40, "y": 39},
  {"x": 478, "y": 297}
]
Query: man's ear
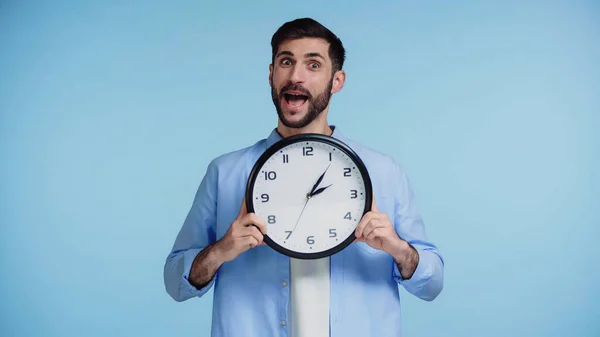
[
  {"x": 271, "y": 75},
  {"x": 338, "y": 81}
]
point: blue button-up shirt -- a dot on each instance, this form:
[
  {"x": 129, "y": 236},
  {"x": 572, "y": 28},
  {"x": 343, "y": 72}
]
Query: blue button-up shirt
[{"x": 251, "y": 293}]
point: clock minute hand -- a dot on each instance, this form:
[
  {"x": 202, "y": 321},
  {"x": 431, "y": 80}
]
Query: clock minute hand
[{"x": 318, "y": 181}]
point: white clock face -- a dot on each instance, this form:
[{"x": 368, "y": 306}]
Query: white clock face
[{"x": 298, "y": 221}]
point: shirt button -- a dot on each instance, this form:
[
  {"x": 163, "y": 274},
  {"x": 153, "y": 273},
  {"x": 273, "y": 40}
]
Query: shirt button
[
  {"x": 282, "y": 323},
  {"x": 283, "y": 284}
]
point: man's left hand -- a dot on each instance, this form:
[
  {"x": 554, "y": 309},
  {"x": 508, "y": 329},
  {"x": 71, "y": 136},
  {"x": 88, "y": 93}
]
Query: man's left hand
[{"x": 376, "y": 230}]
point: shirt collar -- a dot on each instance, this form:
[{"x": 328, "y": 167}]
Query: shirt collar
[{"x": 274, "y": 137}]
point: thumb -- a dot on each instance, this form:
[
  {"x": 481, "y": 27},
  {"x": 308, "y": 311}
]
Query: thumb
[
  {"x": 374, "y": 205},
  {"x": 243, "y": 209}
]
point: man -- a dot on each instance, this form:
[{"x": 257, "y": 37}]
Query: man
[{"x": 259, "y": 292}]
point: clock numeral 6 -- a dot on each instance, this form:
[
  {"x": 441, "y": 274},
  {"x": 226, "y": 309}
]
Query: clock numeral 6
[
  {"x": 265, "y": 197},
  {"x": 332, "y": 233},
  {"x": 271, "y": 219},
  {"x": 347, "y": 171},
  {"x": 271, "y": 175},
  {"x": 310, "y": 240},
  {"x": 353, "y": 194}
]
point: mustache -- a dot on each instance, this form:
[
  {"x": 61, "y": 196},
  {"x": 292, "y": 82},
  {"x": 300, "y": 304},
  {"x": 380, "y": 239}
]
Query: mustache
[{"x": 296, "y": 87}]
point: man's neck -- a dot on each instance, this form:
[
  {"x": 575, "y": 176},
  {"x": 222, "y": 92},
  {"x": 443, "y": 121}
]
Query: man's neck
[{"x": 285, "y": 131}]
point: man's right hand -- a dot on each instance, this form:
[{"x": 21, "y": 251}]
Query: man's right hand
[{"x": 244, "y": 233}]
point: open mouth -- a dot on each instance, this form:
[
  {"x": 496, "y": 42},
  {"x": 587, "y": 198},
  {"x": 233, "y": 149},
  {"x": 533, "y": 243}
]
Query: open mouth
[{"x": 295, "y": 100}]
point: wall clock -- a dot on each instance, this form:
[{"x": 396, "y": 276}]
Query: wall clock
[{"x": 312, "y": 191}]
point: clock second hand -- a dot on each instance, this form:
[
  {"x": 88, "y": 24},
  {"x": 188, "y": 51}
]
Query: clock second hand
[{"x": 297, "y": 221}]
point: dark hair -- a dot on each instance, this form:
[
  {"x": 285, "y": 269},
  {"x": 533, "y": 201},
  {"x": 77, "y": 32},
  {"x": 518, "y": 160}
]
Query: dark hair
[{"x": 307, "y": 27}]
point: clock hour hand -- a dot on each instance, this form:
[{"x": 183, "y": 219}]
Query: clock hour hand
[
  {"x": 318, "y": 181},
  {"x": 320, "y": 190}
]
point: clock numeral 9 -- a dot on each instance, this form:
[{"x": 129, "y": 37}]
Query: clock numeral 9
[
  {"x": 347, "y": 171},
  {"x": 271, "y": 219},
  {"x": 265, "y": 197},
  {"x": 307, "y": 151},
  {"x": 271, "y": 175},
  {"x": 310, "y": 240},
  {"x": 332, "y": 233},
  {"x": 353, "y": 194}
]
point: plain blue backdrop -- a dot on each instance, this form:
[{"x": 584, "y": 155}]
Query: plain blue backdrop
[{"x": 111, "y": 110}]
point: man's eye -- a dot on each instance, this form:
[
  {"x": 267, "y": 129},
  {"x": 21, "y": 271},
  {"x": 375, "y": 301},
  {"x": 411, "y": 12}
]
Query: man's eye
[
  {"x": 286, "y": 62},
  {"x": 314, "y": 65}
]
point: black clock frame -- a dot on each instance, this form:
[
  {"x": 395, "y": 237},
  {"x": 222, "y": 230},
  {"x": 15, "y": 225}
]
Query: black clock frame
[{"x": 309, "y": 137}]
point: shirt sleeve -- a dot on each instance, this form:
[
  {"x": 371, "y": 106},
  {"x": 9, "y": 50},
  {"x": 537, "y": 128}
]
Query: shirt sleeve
[
  {"x": 428, "y": 279},
  {"x": 196, "y": 233}
]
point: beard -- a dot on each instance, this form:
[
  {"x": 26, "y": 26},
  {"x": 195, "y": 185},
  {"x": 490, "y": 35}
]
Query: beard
[{"x": 316, "y": 105}]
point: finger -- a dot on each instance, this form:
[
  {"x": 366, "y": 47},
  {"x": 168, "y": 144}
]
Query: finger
[
  {"x": 374, "y": 223},
  {"x": 374, "y": 205},
  {"x": 378, "y": 226},
  {"x": 249, "y": 242},
  {"x": 252, "y": 231},
  {"x": 253, "y": 219},
  {"x": 375, "y": 233},
  {"x": 363, "y": 222}
]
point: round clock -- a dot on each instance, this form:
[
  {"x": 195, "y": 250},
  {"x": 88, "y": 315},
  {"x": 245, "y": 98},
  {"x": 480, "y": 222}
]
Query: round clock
[{"x": 312, "y": 191}]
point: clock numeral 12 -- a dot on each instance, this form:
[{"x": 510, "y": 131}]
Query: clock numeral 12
[{"x": 307, "y": 151}]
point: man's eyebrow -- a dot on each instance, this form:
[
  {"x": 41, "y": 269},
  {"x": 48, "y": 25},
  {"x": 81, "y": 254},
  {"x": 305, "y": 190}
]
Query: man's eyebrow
[
  {"x": 284, "y": 52},
  {"x": 314, "y": 54},
  {"x": 307, "y": 55}
]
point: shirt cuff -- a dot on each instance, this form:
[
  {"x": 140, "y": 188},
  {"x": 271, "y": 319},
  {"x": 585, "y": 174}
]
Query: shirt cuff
[
  {"x": 422, "y": 273},
  {"x": 188, "y": 260}
]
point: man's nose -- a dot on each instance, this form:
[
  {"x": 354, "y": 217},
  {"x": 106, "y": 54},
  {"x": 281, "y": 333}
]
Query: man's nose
[{"x": 297, "y": 74}]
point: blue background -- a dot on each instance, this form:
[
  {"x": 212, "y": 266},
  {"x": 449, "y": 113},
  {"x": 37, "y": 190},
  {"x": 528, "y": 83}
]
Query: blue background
[{"x": 111, "y": 110}]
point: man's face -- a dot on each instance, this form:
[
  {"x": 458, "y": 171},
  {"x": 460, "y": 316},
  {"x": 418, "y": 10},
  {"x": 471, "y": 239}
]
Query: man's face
[{"x": 301, "y": 81}]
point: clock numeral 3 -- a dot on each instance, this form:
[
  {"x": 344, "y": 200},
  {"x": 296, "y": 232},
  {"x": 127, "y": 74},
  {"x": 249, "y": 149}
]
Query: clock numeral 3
[
  {"x": 347, "y": 171},
  {"x": 271, "y": 175},
  {"x": 332, "y": 233},
  {"x": 353, "y": 194},
  {"x": 307, "y": 151},
  {"x": 271, "y": 219},
  {"x": 310, "y": 240},
  {"x": 265, "y": 197},
  {"x": 348, "y": 216}
]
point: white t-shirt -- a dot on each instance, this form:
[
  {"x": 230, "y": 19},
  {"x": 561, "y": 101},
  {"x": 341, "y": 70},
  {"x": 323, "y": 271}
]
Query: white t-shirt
[{"x": 309, "y": 297}]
